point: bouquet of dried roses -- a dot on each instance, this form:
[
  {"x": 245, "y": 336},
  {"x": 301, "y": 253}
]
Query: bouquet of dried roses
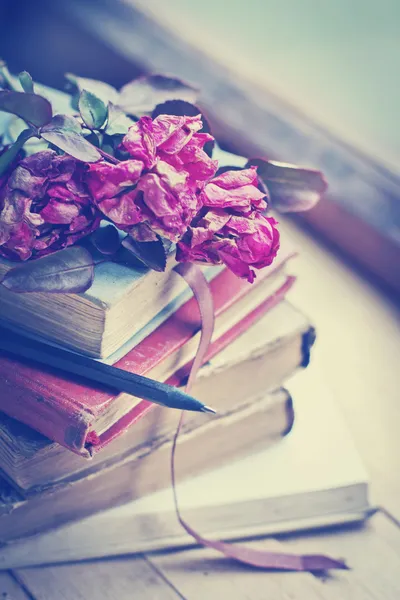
[{"x": 140, "y": 159}]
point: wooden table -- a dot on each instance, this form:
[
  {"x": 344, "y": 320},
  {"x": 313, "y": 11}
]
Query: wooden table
[{"x": 358, "y": 355}]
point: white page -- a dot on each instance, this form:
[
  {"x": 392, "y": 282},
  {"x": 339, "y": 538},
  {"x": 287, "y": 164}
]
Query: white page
[{"x": 318, "y": 454}]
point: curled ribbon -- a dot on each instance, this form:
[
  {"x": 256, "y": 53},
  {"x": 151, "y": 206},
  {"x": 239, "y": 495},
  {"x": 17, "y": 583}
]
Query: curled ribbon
[{"x": 262, "y": 559}]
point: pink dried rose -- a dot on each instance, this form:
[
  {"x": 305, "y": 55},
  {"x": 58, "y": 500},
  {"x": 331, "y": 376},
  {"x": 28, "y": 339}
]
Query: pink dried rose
[
  {"x": 159, "y": 187},
  {"x": 232, "y": 229},
  {"x": 44, "y": 206},
  {"x": 173, "y": 139},
  {"x": 242, "y": 243}
]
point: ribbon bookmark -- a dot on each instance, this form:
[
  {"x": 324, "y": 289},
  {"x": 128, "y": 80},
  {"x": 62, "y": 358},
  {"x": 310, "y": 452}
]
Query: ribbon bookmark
[{"x": 262, "y": 559}]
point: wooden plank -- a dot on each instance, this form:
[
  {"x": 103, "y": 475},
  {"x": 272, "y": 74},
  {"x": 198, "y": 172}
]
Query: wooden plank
[
  {"x": 373, "y": 553},
  {"x": 10, "y": 589},
  {"x": 109, "y": 580},
  {"x": 200, "y": 574}
]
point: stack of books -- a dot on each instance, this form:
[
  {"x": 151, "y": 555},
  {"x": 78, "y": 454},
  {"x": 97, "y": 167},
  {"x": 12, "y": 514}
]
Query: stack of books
[
  {"x": 69, "y": 450},
  {"x": 72, "y": 452}
]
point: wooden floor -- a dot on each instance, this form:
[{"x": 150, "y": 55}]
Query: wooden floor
[{"x": 358, "y": 355}]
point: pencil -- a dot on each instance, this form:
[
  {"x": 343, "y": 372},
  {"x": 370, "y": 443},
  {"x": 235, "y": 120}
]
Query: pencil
[{"x": 94, "y": 371}]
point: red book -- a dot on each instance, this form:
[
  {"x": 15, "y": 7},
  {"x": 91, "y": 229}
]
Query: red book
[{"x": 85, "y": 418}]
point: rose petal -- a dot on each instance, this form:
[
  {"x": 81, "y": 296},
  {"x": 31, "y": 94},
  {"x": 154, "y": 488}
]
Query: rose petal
[
  {"x": 230, "y": 180},
  {"x": 59, "y": 213},
  {"x": 172, "y": 133},
  {"x": 122, "y": 209},
  {"x": 105, "y": 180},
  {"x": 23, "y": 180},
  {"x": 139, "y": 142},
  {"x": 235, "y": 198}
]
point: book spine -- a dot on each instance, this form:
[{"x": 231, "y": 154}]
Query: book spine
[{"x": 38, "y": 403}]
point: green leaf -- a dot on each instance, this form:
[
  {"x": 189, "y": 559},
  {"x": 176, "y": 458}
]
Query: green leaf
[
  {"x": 64, "y": 132},
  {"x": 291, "y": 188},
  {"x": 68, "y": 271},
  {"x": 118, "y": 122},
  {"x": 65, "y": 122},
  {"x": 102, "y": 90},
  {"x": 93, "y": 110},
  {"x": 12, "y": 152},
  {"x": 152, "y": 254},
  {"x": 26, "y": 81},
  {"x": 142, "y": 94},
  {"x": 34, "y": 109}
]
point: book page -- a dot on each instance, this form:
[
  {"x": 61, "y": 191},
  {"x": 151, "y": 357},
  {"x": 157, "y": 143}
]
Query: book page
[{"x": 318, "y": 454}]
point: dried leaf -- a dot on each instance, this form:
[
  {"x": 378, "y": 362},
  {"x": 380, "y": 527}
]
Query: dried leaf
[
  {"x": 152, "y": 254},
  {"x": 65, "y": 133},
  {"x": 32, "y": 108},
  {"x": 106, "y": 240},
  {"x": 68, "y": 271},
  {"x": 93, "y": 110},
  {"x": 144, "y": 93},
  {"x": 26, "y": 82},
  {"x": 291, "y": 188}
]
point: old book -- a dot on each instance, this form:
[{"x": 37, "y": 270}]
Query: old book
[
  {"x": 258, "y": 360},
  {"x": 313, "y": 478},
  {"x": 98, "y": 322},
  {"x": 262, "y": 421},
  {"x": 82, "y": 417}
]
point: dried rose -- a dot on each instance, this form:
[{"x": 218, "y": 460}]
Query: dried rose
[
  {"x": 173, "y": 139},
  {"x": 168, "y": 201},
  {"x": 159, "y": 187},
  {"x": 231, "y": 228},
  {"x": 44, "y": 206},
  {"x": 242, "y": 243}
]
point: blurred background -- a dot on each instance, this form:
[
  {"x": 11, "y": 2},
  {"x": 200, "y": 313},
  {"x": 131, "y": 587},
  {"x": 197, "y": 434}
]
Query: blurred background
[{"x": 313, "y": 82}]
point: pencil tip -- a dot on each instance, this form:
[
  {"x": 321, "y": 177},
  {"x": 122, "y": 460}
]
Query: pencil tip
[{"x": 208, "y": 409}]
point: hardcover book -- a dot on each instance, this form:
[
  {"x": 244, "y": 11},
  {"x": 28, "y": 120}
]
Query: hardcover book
[{"x": 260, "y": 359}]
